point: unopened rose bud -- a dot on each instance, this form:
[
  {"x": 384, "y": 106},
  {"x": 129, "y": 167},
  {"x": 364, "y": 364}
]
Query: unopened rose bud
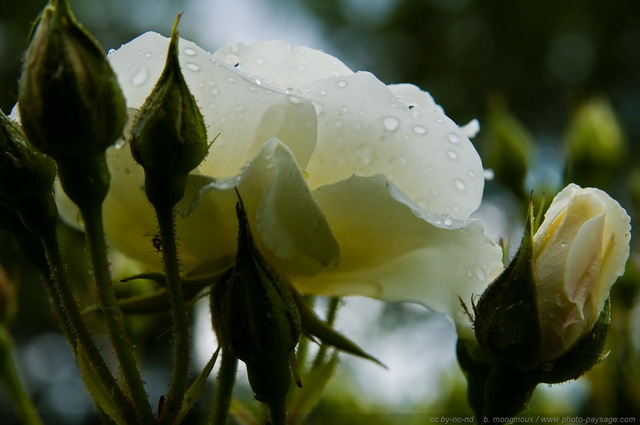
[
  {"x": 26, "y": 177},
  {"x": 550, "y": 298},
  {"x": 168, "y": 136},
  {"x": 257, "y": 320},
  {"x": 508, "y": 147},
  {"x": 579, "y": 251},
  {"x": 70, "y": 102},
  {"x": 595, "y": 143}
]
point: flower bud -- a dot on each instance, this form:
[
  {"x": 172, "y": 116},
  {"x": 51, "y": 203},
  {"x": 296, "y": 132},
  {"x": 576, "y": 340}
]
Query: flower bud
[
  {"x": 595, "y": 143},
  {"x": 509, "y": 147},
  {"x": 70, "y": 102},
  {"x": 26, "y": 177},
  {"x": 579, "y": 251},
  {"x": 546, "y": 304},
  {"x": 168, "y": 136},
  {"x": 256, "y": 319}
]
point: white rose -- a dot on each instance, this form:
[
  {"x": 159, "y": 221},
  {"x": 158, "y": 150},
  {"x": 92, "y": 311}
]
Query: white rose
[
  {"x": 579, "y": 251},
  {"x": 352, "y": 187}
]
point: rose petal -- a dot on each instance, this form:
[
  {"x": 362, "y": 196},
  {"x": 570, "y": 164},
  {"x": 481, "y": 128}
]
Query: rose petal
[
  {"x": 364, "y": 129},
  {"x": 390, "y": 253},
  {"x": 279, "y": 205},
  {"x": 281, "y": 63},
  {"x": 236, "y": 108}
]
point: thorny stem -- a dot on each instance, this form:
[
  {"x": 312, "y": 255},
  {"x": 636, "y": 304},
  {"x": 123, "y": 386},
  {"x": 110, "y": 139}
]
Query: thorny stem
[
  {"x": 223, "y": 389},
  {"x": 71, "y": 318},
  {"x": 94, "y": 227},
  {"x": 178, "y": 385}
]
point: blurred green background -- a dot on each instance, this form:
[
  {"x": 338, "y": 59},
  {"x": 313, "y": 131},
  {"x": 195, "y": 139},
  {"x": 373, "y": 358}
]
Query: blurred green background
[{"x": 555, "y": 85}]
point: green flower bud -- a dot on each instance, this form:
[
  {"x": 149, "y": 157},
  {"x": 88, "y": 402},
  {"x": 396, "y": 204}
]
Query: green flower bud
[
  {"x": 70, "y": 102},
  {"x": 595, "y": 143},
  {"x": 257, "y": 320},
  {"x": 168, "y": 136},
  {"x": 26, "y": 177},
  {"x": 506, "y": 317},
  {"x": 508, "y": 147}
]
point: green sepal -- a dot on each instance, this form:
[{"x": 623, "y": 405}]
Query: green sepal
[
  {"x": 26, "y": 178},
  {"x": 168, "y": 136},
  {"x": 70, "y": 101},
  {"x": 506, "y": 317},
  {"x": 101, "y": 395},
  {"x": 314, "y": 327},
  {"x": 253, "y": 311},
  {"x": 582, "y": 356},
  {"x": 196, "y": 389}
]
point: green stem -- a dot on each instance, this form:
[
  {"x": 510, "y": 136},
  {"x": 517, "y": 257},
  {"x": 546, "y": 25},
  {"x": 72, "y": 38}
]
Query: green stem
[
  {"x": 332, "y": 312},
  {"x": 223, "y": 388},
  {"x": 67, "y": 308},
  {"x": 94, "y": 228},
  {"x": 25, "y": 408},
  {"x": 178, "y": 312}
]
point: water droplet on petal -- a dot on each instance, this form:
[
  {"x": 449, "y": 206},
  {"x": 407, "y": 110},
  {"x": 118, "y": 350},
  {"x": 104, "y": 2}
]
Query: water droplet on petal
[
  {"x": 453, "y": 138},
  {"x": 481, "y": 275},
  {"x": 111, "y": 51},
  {"x": 189, "y": 52},
  {"x": 489, "y": 174},
  {"x": 390, "y": 123},
  {"x": 148, "y": 55},
  {"x": 140, "y": 77},
  {"x": 448, "y": 222},
  {"x": 119, "y": 144},
  {"x": 414, "y": 107},
  {"x": 452, "y": 154},
  {"x": 294, "y": 100},
  {"x": 193, "y": 67},
  {"x": 341, "y": 84},
  {"x": 232, "y": 60},
  {"x": 418, "y": 129},
  {"x": 472, "y": 174},
  {"x": 459, "y": 184}
]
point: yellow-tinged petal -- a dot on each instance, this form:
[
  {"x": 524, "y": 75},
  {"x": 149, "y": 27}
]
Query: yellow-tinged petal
[{"x": 391, "y": 250}]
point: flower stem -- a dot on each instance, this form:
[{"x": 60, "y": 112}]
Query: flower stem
[
  {"x": 94, "y": 228},
  {"x": 166, "y": 222},
  {"x": 332, "y": 311},
  {"x": 25, "y": 408},
  {"x": 71, "y": 318},
  {"x": 223, "y": 388}
]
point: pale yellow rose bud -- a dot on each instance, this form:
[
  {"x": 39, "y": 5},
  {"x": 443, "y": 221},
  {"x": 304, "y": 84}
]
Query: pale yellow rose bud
[{"x": 578, "y": 253}]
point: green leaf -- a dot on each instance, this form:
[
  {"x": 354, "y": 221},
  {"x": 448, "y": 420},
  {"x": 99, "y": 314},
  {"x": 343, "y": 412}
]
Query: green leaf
[
  {"x": 195, "y": 391},
  {"x": 100, "y": 394}
]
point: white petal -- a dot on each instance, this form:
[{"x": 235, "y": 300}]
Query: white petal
[
  {"x": 281, "y": 63},
  {"x": 390, "y": 253},
  {"x": 279, "y": 204},
  {"x": 365, "y": 129},
  {"x": 242, "y": 112}
]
